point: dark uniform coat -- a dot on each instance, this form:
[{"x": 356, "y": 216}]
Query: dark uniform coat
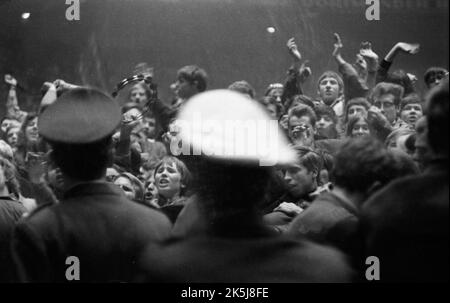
[
  {"x": 406, "y": 227},
  {"x": 10, "y": 212},
  {"x": 95, "y": 223},
  {"x": 243, "y": 253}
]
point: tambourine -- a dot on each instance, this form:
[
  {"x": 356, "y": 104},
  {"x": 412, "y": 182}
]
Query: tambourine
[{"x": 135, "y": 78}]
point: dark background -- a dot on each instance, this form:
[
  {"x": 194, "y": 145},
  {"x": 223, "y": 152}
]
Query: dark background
[{"x": 226, "y": 37}]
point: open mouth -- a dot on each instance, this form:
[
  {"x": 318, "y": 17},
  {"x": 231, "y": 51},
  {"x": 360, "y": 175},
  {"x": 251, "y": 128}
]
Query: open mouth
[{"x": 163, "y": 183}]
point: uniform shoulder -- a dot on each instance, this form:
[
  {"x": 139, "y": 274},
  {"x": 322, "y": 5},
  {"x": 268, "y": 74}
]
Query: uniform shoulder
[{"x": 39, "y": 210}]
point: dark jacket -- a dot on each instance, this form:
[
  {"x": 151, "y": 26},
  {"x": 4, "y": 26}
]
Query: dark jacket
[
  {"x": 406, "y": 227},
  {"x": 95, "y": 223},
  {"x": 245, "y": 258},
  {"x": 330, "y": 220},
  {"x": 10, "y": 212}
]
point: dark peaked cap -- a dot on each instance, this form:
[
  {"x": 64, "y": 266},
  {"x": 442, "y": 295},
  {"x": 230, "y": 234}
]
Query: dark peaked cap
[{"x": 81, "y": 115}]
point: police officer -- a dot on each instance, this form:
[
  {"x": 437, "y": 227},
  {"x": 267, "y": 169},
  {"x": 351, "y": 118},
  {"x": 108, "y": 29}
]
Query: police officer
[{"x": 95, "y": 232}]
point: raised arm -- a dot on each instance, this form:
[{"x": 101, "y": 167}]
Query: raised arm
[
  {"x": 12, "y": 103},
  {"x": 337, "y": 49},
  {"x": 385, "y": 64},
  {"x": 297, "y": 73},
  {"x": 372, "y": 63},
  {"x": 354, "y": 85}
]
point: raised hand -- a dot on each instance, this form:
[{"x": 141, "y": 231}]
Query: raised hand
[
  {"x": 337, "y": 45},
  {"x": 367, "y": 52},
  {"x": 293, "y": 49},
  {"x": 408, "y": 48},
  {"x": 129, "y": 122},
  {"x": 305, "y": 71},
  {"x": 10, "y": 80}
]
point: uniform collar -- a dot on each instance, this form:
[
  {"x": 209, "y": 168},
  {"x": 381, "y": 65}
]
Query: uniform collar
[{"x": 92, "y": 188}]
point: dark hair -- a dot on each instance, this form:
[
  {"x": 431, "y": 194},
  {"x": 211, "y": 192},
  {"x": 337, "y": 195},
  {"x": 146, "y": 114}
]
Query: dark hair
[
  {"x": 193, "y": 73},
  {"x": 385, "y": 88},
  {"x": 401, "y": 78},
  {"x": 360, "y": 163},
  {"x": 433, "y": 72},
  {"x": 437, "y": 118},
  {"x": 324, "y": 110},
  {"x": 410, "y": 99},
  {"x": 310, "y": 159},
  {"x": 302, "y": 110},
  {"x": 242, "y": 87},
  {"x": 355, "y": 101},
  {"x": 22, "y": 139},
  {"x": 83, "y": 162},
  {"x": 402, "y": 165},
  {"x": 266, "y": 101},
  {"x": 351, "y": 123},
  {"x": 299, "y": 99},
  {"x": 229, "y": 189}
]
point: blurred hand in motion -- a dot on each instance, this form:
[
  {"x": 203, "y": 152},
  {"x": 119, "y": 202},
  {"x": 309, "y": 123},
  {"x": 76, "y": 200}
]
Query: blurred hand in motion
[
  {"x": 62, "y": 85},
  {"x": 305, "y": 71},
  {"x": 408, "y": 48},
  {"x": 337, "y": 45},
  {"x": 10, "y": 80},
  {"x": 369, "y": 55},
  {"x": 293, "y": 49}
]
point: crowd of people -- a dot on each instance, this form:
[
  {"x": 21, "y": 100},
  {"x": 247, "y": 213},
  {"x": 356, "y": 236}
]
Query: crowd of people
[{"x": 363, "y": 173}]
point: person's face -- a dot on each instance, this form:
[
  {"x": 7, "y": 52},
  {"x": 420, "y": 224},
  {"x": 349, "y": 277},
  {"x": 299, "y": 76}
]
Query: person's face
[
  {"x": 324, "y": 176},
  {"x": 360, "y": 129},
  {"x": 126, "y": 186},
  {"x": 423, "y": 153},
  {"x": 31, "y": 131},
  {"x": 149, "y": 127},
  {"x": 168, "y": 180},
  {"x": 411, "y": 113},
  {"x": 435, "y": 80},
  {"x": 272, "y": 109},
  {"x": 324, "y": 126},
  {"x": 138, "y": 95},
  {"x": 276, "y": 93},
  {"x": 386, "y": 105},
  {"x": 12, "y": 136},
  {"x": 297, "y": 123},
  {"x": 151, "y": 192},
  {"x": 184, "y": 89},
  {"x": 356, "y": 110},
  {"x": 299, "y": 180},
  {"x": 55, "y": 178},
  {"x": 301, "y": 131},
  {"x": 329, "y": 90},
  {"x": 9, "y": 123}
]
